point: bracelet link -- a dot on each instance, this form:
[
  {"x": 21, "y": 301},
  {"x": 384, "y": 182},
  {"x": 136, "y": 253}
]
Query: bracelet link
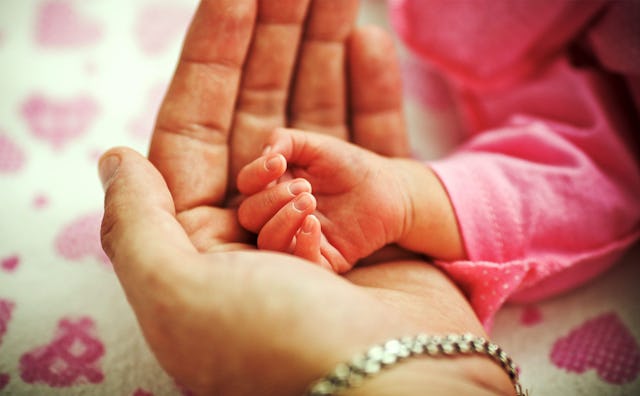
[{"x": 353, "y": 373}]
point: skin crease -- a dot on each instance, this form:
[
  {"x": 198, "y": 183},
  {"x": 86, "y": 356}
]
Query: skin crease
[
  {"x": 364, "y": 202},
  {"x": 220, "y": 317}
]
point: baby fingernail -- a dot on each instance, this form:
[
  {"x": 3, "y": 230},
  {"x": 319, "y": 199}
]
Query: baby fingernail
[
  {"x": 307, "y": 226},
  {"x": 266, "y": 150},
  {"x": 299, "y": 186},
  {"x": 272, "y": 163},
  {"x": 303, "y": 202}
]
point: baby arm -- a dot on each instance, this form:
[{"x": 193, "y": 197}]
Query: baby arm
[{"x": 362, "y": 202}]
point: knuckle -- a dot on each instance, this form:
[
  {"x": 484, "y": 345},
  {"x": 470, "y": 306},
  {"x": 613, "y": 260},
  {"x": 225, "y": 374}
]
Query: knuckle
[
  {"x": 111, "y": 227},
  {"x": 108, "y": 232},
  {"x": 273, "y": 197}
]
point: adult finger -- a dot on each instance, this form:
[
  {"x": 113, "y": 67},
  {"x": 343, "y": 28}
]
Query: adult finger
[
  {"x": 190, "y": 141},
  {"x": 319, "y": 96},
  {"x": 377, "y": 117},
  {"x": 262, "y": 100},
  {"x": 140, "y": 233}
]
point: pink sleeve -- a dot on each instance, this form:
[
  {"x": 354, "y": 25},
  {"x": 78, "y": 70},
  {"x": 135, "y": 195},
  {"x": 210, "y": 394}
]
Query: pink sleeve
[
  {"x": 547, "y": 190},
  {"x": 547, "y": 201}
]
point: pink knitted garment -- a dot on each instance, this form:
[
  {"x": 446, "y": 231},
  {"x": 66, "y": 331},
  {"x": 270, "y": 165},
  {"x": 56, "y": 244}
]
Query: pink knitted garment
[{"x": 547, "y": 188}]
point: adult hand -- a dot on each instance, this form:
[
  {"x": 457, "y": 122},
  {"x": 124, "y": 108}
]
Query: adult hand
[
  {"x": 225, "y": 321},
  {"x": 256, "y": 323},
  {"x": 249, "y": 66}
]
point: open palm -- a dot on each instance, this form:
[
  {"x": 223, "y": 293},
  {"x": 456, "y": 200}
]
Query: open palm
[
  {"x": 217, "y": 315},
  {"x": 286, "y": 69}
]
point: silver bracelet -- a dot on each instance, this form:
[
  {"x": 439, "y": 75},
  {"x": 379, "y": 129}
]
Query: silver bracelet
[{"x": 351, "y": 374}]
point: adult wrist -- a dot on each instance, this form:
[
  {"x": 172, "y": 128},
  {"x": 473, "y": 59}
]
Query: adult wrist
[
  {"x": 438, "y": 377},
  {"x": 445, "y": 365}
]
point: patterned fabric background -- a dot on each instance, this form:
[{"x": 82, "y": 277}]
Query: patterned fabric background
[{"x": 80, "y": 76}]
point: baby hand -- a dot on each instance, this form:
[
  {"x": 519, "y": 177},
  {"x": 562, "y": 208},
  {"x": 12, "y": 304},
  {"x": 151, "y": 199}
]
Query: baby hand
[
  {"x": 281, "y": 213},
  {"x": 357, "y": 200}
]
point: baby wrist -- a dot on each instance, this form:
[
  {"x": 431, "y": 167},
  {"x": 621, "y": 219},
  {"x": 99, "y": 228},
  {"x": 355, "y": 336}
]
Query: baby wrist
[{"x": 430, "y": 224}]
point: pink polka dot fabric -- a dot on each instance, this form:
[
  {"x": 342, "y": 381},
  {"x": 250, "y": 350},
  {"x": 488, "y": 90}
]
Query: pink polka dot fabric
[{"x": 546, "y": 186}]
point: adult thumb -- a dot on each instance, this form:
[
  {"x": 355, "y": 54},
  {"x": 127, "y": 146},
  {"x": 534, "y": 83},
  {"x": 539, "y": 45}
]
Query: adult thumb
[{"x": 139, "y": 228}]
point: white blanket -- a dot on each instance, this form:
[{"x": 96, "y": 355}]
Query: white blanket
[{"x": 78, "y": 77}]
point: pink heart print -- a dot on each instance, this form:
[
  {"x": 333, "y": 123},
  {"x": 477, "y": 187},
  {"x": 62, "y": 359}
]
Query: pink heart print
[
  {"x": 9, "y": 264},
  {"x": 57, "y": 121},
  {"x": 4, "y": 380},
  {"x": 60, "y": 25},
  {"x": 40, "y": 201},
  {"x": 81, "y": 238},
  {"x": 604, "y": 344},
  {"x": 159, "y": 25},
  {"x": 531, "y": 316},
  {"x": 12, "y": 157},
  {"x": 6, "y": 307},
  {"x": 71, "y": 358}
]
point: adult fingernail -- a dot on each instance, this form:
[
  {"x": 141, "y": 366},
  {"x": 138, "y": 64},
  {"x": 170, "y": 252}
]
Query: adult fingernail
[
  {"x": 273, "y": 163},
  {"x": 299, "y": 186},
  {"x": 303, "y": 202},
  {"x": 107, "y": 168}
]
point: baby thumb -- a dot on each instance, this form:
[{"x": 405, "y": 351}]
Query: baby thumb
[{"x": 139, "y": 228}]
